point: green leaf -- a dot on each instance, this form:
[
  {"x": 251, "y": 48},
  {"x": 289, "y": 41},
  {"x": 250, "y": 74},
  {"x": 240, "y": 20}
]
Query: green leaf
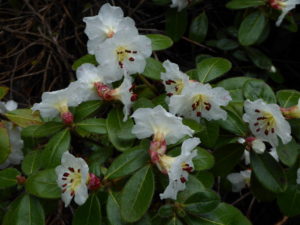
[
  {"x": 84, "y": 59},
  {"x": 87, "y": 109},
  {"x": 206, "y": 178},
  {"x": 119, "y": 132},
  {"x": 174, "y": 221},
  {"x": 44, "y": 130},
  {"x": 153, "y": 69},
  {"x": 235, "y": 87},
  {"x": 288, "y": 153},
  {"x": 268, "y": 172},
  {"x": 8, "y": 177},
  {"x": 43, "y": 184},
  {"x": 202, "y": 202},
  {"x": 197, "y": 127},
  {"x": 128, "y": 162},
  {"x": 198, "y": 28},
  {"x": 226, "y": 158},
  {"x": 256, "y": 89},
  {"x": 95, "y": 125},
  {"x": 259, "y": 191},
  {"x": 55, "y": 148},
  {"x": 176, "y": 23},
  {"x": 288, "y": 98},
  {"x": 137, "y": 195},
  {"x": 204, "y": 160},
  {"x": 259, "y": 59},
  {"x": 142, "y": 103},
  {"x": 226, "y": 44},
  {"x": 89, "y": 213},
  {"x": 234, "y": 124},
  {"x": 159, "y": 41},
  {"x": 209, "y": 134},
  {"x": 32, "y": 162},
  {"x": 25, "y": 210},
  {"x": 224, "y": 214},
  {"x": 193, "y": 186},
  {"x": 289, "y": 201},
  {"x": 242, "y": 4},
  {"x": 212, "y": 68},
  {"x": 4, "y": 143},
  {"x": 251, "y": 28},
  {"x": 24, "y": 117},
  {"x": 113, "y": 209},
  {"x": 3, "y": 91}
]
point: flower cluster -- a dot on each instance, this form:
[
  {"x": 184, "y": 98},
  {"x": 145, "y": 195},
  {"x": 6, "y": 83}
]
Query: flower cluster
[{"x": 285, "y": 6}]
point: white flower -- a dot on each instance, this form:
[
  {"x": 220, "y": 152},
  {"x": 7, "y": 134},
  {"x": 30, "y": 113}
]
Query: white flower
[
  {"x": 285, "y": 6},
  {"x": 72, "y": 178},
  {"x": 180, "y": 4},
  {"x": 266, "y": 122},
  {"x": 58, "y": 102},
  {"x": 178, "y": 168},
  {"x": 200, "y": 100},
  {"x": 8, "y": 106},
  {"x": 92, "y": 78},
  {"x": 239, "y": 180},
  {"x": 258, "y": 146},
  {"x": 298, "y": 176},
  {"x": 16, "y": 145},
  {"x": 160, "y": 123},
  {"x": 105, "y": 25},
  {"x": 246, "y": 157},
  {"x": 173, "y": 79},
  {"x": 125, "y": 51}
]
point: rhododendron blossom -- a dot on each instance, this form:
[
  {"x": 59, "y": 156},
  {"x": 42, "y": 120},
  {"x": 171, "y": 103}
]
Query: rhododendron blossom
[
  {"x": 200, "y": 100},
  {"x": 105, "y": 25},
  {"x": 239, "y": 180},
  {"x": 173, "y": 79},
  {"x": 180, "y": 4},
  {"x": 178, "y": 168},
  {"x": 72, "y": 178},
  {"x": 266, "y": 122},
  {"x": 8, "y": 106},
  {"x": 285, "y": 6},
  {"x": 127, "y": 50}
]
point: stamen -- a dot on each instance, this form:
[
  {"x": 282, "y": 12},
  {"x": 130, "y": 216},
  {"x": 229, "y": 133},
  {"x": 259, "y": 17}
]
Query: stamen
[
  {"x": 169, "y": 94},
  {"x": 66, "y": 174},
  {"x": 208, "y": 106},
  {"x": 64, "y": 190},
  {"x": 198, "y": 114},
  {"x": 131, "y": 59},
  {"x": 273, "y": 130},
  {"x": 121, "y": 65},
  {"x": 128, "y": 51},
  {"x": 256, "y": 110},
  {"x": 134, "y": 52},
  {"x": 182, "y": 179},
  {"x": 258, "y": 129},
  {"x": 266, "y": 132},
  {"x": 78, "y": 170},
  {"x": 168, "y": 82},
  {"x": 194, "y": 107},
  {"x": 71, "y": 169},
  {"x": 72, "y": 193},
  {"x": 261, "y": 118},
  {"x": 256, "y": 124},
  {"x": 64, "y": 185}
]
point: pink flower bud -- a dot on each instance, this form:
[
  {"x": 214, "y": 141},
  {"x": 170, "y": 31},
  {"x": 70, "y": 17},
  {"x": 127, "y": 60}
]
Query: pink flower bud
[
  {"x": 94, "y": 182},
  {"x": 67, "y": 117}
]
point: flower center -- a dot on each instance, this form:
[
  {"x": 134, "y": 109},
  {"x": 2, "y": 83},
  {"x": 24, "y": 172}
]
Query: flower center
[
  {"x": 110, "y": 33},
  {"x": 123, "y": 54},
  {"x": 200, "y": 103},
  {"x": 73, "y": 180},
  {"x": 178, "y": 85},
  {"x": 62, "y": 106},
  {"x": 265, "y": 121}
]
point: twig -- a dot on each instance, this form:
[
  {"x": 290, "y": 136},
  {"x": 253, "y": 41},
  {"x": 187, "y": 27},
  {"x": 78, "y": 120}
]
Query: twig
[{"x": 281, "y": 222}]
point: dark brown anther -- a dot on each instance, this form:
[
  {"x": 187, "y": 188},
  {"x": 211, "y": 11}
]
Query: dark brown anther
[
  {"x": 266, "y": 132},
  {"x": 198, "y": 114},
  {"x": 131, "y": 59},
  {"x": 71, "y": 169},
  {"x": 256, "y": 124},
  {"x": 258, "y": 129},
  {"x": 66, "y": 174},
  {"x": 169, "y": 94},
  {"x": 182, "y": 179},
  {"x": 127, "y": 51},
  {"x": 256, "y": 110},
  {"x": 121, "y": 65},
  {"x": 208, "y": 106},
  {"x": 134, "y": 52},
  {"x": 272, "y": 130}
]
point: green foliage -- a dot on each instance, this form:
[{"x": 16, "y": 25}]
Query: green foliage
[
  {"x": 3, "y": 91},
  {"x": 24, "y": 117},
  {"x": 176, "y": 23},
  {"x": 153, "y": 69},
  {"x": 199, "y": 27},
  {"x": 84, "y": 59},
  {"x": 8, "y": 177},
  {"x": 159, "y": 41},
  {"x": 4, "y": 143}
]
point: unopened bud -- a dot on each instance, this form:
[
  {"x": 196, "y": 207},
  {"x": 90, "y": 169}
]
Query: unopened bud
[
  {"x": 67, "y": 117},
  {"x": 94, "y": 182},
  {"x": 292, "y": 112},
  {"x": 20, "y": 179}
]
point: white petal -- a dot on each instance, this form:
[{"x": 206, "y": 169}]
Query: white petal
[{"x": 81, "y": 195}]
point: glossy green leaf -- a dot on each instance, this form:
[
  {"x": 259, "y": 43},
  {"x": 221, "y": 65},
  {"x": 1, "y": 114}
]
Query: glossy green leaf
[
  {"x": 89, "y": 213},
  {"x": 113, "y": 209},
  {"x": 204, "y": 160},
  {"x": 289, "y": 201},
  {"x": 202, "y": 202},
  {"x": 87, "y": 109},
  {"x": 269, "y": 173},
  {"x": 25, "y": 210},
  {"x": 44, "y": 130},
  {"x": 137, "y": 195},
  {"x": 94, "y": 125},
  {"x": 224, "y": 214},
  {"x": 259, "y": 191},
  {"x": 8, "y": 177},
  {"x": 128, "y": 162},
  {"x": 84, "y": 59},
  {"x": 242, "y": 4},
  {"x": 174, "y": 221},
  {"x": 251, "y": 28},
  {"x": 193, "y": 186},
  {"x": 3, "y": 91},
  {"x": 55, "y": 148},
  {"x": 199, "y": 27},
  {"x": 256, "y": 89},
  {"x": 234, "y": 124},
  {"x": 32, "y": 162},
  {"x": 118, "y": 131},
  {"x": 226, "y": 44},
  {"x": 209, "y": 134},
  {"x": 176, "y": 23},
  {"x": 153, "y": 69},
  {"x": 288, "y": 153},
  {"x": 43, "y": 184},
  {"x": 159, "y": 41},
  {"x": 4, "y": 143},
  {"x": 212, "y": 68},
  {"x": 288, "y": 98},
  {"x": 226, "y": 158},
  {"x": 206, "y": 178},
  {"x": 235, "y": 87},
  {"x": 24, "y": 117},
  {"x": 259, "y": 59}
]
